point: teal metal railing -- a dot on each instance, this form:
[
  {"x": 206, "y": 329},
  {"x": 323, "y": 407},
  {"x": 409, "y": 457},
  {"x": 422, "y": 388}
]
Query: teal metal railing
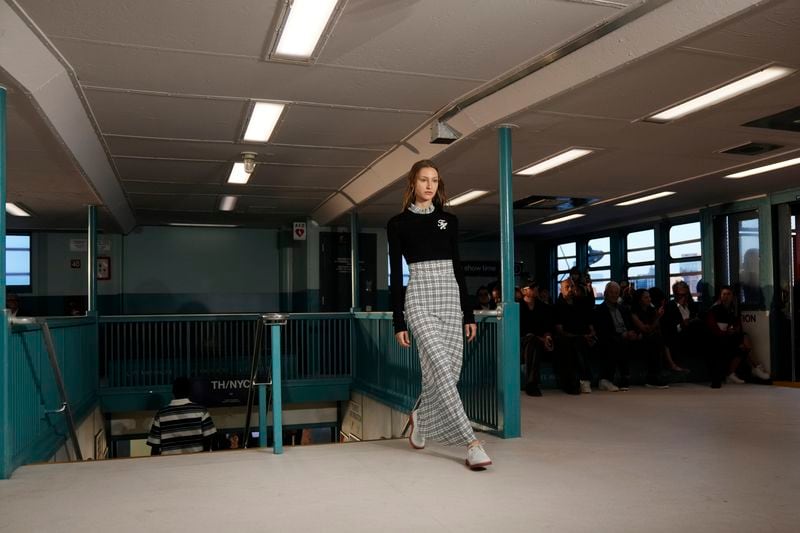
[
  {"x": 29, "y": 433},
  {"x": 392, "y": 375},
  {"x": 316, "y": 349},
  {"x": 152, "y": 350}
]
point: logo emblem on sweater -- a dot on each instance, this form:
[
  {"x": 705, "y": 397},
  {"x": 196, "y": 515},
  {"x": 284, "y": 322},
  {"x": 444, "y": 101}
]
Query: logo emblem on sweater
[{"x": 442, "y": 223}]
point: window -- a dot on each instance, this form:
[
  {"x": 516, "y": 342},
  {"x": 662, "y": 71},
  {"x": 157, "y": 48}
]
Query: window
[
  {"x": 738, "y": 257},
  {"x": 406, "y": 274},
  {"x": 641, "y": 258},
  {"x": 566, "y": 258},
  {"x": 18, "y": 261},
  {"x": 685, "y": 253},
  {"x": 599, "y": 260}
]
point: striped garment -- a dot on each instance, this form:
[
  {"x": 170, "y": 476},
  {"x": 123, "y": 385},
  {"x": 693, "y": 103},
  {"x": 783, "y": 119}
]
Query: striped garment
[
  {"x": 181, "y": 427},
  {"x": 433, "y": 313}
]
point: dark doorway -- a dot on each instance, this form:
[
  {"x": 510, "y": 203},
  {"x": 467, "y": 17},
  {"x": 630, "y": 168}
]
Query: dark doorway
[{"x": 334, "y": 271}]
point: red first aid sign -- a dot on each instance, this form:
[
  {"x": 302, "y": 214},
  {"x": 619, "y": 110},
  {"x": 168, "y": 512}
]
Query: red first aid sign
[{"x": 299, "y": 232}]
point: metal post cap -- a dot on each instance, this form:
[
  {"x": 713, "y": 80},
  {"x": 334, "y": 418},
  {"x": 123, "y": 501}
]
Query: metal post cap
[{"x": 274, "y": 319}]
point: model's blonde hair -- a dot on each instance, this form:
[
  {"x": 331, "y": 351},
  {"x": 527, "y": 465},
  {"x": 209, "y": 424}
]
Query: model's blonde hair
[{"x": 408, "y": 196}]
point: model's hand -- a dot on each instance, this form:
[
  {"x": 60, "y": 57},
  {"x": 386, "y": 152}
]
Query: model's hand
[
  {"x": 470, "y": 330},
  {"x": 402, "y": 339}
]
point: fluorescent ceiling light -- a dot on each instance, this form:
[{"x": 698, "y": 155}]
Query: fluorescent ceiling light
[
  {"x": 726, "y": 92},
  {"x": 228, "y": 203},
  {"x": 564, "y": 219},
  {"x": 304, "y": 26},
  {"x": 15, "y": 210},
  {"x": 263, "y": 119},
  {"x": 647, "y": 198},
  {"x": 759, "y": 170},
  {"x": 238, "y": 175},
  {"x": 464, "y": 197},
  {"x": 553, "y": 162},
  {"x": 192, "y": 225}
]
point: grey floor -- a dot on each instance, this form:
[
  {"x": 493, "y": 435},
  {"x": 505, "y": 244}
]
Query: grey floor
[{"x": 684, "y": 459}]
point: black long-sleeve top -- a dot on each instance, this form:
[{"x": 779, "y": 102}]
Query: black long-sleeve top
[{"x": 423, "y": 237}]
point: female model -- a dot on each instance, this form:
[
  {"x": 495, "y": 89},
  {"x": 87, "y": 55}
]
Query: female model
[{"x": 434, "y": 302}]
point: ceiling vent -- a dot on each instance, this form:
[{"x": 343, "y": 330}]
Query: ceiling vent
[
  {"x": 788, "y": 120},
  {"x": 551, "y": 203},
  {"x": 752, "y": 148}
]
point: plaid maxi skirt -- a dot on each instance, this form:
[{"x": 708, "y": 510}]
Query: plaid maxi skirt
[{"x": 433, "y": 314}]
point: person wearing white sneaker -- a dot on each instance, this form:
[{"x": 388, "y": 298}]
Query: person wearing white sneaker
[
  {"x": 606, "y": 385},
  {"x": 437, "y": 308},
  {"x": 732, "y": 344},
  {"x": 586, "y": 386},
  {"x": 732, "y": 378},
  {"x": 477, "y": 458},
  {"x": 759, "y": 372}
]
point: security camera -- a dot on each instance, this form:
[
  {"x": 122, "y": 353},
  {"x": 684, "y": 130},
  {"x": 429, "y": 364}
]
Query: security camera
[{"x": 249, "y": 160}]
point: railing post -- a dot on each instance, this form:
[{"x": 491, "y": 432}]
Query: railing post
[
  {"x": 5, "y": 448},
  {"x": 91, "y": 256},
  {"x": 275, "y": 321},
  {"x": 508, "y": 337},
  {"x": 355, "y": 267}
]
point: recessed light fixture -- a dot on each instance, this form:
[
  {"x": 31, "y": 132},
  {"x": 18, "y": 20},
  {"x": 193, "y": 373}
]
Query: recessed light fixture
[
  {"x": 726, "y": 92},
  {"x": 554, "y": 161},
  {"x": 263, "y": 118},
  {"x": 15, "y": 210},
  {"x": 646, "y": 198},
  {"x": 228, "y": 203},
  {"x": 238, "y": 174},
  {"x": 765, "y": 168},
  {"x": 467, "y": 196},
  {"x": 303, "y": 28},
  {"x": 192, "y": 225},
  {"x": 564, "y": 219}
]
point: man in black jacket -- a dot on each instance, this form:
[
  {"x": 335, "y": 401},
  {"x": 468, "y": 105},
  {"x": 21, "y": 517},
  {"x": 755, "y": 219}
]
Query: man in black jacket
[
  {"x": 617, "y": 339},
  {"x": 684, "y": 332},
  {"x": 536, "y": 334}
]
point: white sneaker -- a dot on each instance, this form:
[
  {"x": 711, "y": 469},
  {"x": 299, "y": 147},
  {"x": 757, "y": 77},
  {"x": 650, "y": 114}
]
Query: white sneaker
[
  {"x": 477, "y": 458},
  {"x": 416, "y": 440},
  {"x": 733, "y": 379},
  {"x": 607, "y": 386},
  {"x": 760, "y": 373},
  {"x": 586, "y": 386}
]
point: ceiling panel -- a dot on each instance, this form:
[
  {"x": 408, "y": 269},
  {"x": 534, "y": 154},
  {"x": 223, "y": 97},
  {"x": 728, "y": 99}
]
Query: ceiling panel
[
  {"x": 484, "y": 39},
  {"x": 320, "y": 126},
  {"x": 229, "y": 27},
  {"x": 163, "y": 116},
  {"x": 646, "y": 87},
  {"x": 250, "y": 190},
  {"x": 307, "y": 176},
  {"x": 288, "y": 155},
  {"x": 769, "y": 33},
  {"x": 174, "y": 202},
  {"x": 174, "y": 72},
  {"x": 173, "y": 171}
]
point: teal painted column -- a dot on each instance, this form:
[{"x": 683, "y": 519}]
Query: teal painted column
[
  {"x": 91, "y": 255},
  {"x": 508, "y": 336},
  {"x": 355, "y": 270},
  {"x": 277, "y": 404},
  {"x": 5, "y": 449}
]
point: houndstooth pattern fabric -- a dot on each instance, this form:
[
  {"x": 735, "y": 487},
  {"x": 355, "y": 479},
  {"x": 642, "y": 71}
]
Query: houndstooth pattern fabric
[{"x": 433, "y": 314}]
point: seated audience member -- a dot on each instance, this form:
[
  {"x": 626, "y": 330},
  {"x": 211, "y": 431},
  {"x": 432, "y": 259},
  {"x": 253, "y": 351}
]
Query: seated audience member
[
  {"x": 646, "y": 321},
  {"x": 626, "y": 294},
  {"x": 733, "y": 345},
  {"x": 544, "y": 295},
  {"x": 12, "y": 304},
  {"x": 575, "y": 337},
  {"x": 536, "y": 335},
  {"x": 518, "y": 294},
  {"x": 684, "y": 332},
  {"x": 182, "y": 426},
  {"x": 497, "y": 295},
  {"x": 617, "y": 339},
  {"x": 484, "y": 300}
]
